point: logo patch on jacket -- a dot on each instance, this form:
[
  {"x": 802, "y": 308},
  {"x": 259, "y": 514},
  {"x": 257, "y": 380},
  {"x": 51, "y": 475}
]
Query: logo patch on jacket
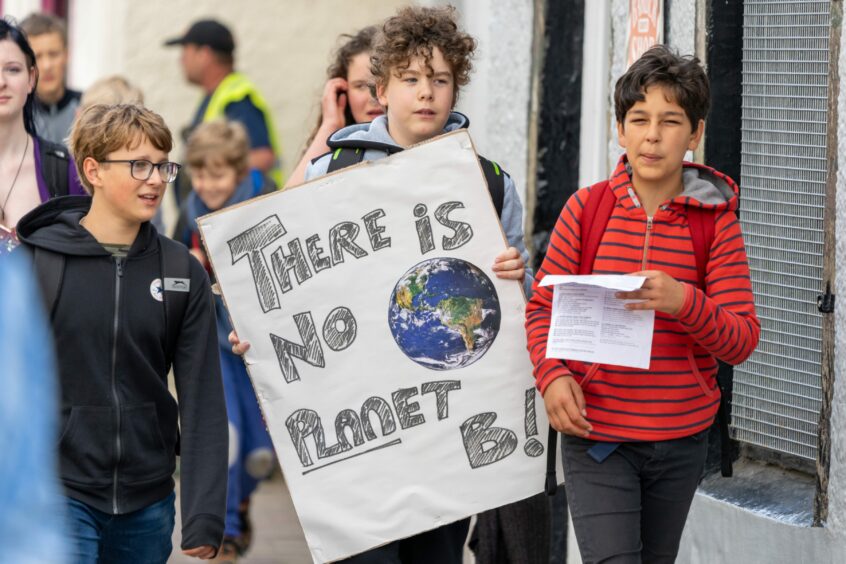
[
  {"x": 177, "y": 284},
  {"x": 156, "y": 289}
]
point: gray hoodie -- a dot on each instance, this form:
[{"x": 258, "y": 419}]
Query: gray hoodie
[{"x": 378, "y": 143}]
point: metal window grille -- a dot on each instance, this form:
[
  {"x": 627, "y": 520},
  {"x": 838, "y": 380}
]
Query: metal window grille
[{"x": 777, "y": 392}]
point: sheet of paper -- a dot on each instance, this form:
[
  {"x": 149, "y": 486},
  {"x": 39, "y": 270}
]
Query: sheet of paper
[{"x": 590, "y": 325}]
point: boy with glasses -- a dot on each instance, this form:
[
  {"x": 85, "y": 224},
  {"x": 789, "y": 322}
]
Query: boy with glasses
[{"x": 126, "y": 305}]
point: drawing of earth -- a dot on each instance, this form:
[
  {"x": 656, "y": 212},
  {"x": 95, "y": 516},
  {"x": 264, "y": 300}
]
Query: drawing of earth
[{"x": 444, "y": 313}]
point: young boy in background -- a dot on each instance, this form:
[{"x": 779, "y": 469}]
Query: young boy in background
[
  {"x": 127, "y": 304},
  {"x": 218, "y": 163},
  {"x": 635, "y": 440}
]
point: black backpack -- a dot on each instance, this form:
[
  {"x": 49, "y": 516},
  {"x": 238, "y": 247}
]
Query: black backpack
[
  {"x": 343, "y": 157},
  {"x": 175, "y": 263},
  {"x": 54, "y": 167}
]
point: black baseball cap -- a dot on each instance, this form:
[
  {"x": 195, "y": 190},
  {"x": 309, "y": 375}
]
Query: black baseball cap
[{"x": 207, "y": 32}]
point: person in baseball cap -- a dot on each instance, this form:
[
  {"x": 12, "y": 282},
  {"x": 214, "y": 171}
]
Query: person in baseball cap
[
  {"x": 208, "y": 61},
  {"x": 211, "y": 33}
]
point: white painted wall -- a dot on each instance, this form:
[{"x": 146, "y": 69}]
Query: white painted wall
[
  {"x": 498, "y": 97},
  {"x": 594, "y": 127},
  {"x": 19, "y": 9},
  {"x": 282, "y": 46}
]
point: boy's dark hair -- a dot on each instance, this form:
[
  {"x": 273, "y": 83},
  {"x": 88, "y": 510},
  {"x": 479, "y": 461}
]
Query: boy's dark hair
[
  {"x": 415, "y": 32},
  {"x": 9, "y": 31},
  {"x": 683, "y": 77},
  {"x": 39, "y": 23}
]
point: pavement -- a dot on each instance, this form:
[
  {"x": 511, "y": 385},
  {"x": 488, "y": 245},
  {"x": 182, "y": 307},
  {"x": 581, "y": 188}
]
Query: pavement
[{"x": 278, "y": 537}]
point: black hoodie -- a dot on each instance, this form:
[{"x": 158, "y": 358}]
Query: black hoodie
[{"x": 120, "y": 433}]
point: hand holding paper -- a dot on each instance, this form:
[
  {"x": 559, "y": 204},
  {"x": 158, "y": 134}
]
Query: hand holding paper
[
  {"x": 590, "y": 324},
  {"x": 660, "y": 292}
]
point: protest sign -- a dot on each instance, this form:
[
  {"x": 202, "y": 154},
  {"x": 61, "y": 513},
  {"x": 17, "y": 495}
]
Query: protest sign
[{"x": 389, "y": 361}]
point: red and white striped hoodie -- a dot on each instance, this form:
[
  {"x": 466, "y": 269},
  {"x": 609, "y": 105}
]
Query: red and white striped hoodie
[{"x": 678, "y": 395}]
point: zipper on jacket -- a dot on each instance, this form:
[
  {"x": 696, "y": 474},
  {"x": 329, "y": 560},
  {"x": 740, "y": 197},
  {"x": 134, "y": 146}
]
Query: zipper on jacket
[
  {"x": 118, "y": 277},
  {"x": 646, "y": 242}
]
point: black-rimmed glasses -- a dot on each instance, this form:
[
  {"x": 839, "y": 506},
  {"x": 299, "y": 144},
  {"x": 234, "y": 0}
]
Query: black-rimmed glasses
[{"x": 142, "y": 169}]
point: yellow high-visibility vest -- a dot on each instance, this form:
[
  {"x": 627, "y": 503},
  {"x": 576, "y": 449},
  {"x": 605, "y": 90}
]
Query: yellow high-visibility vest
[{"x": 234, "y": 88}]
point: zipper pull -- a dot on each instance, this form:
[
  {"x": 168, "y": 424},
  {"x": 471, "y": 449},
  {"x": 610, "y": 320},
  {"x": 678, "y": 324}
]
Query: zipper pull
[
  {"x": 649, "y": 224},
  {"x": 119, "y": 264}
]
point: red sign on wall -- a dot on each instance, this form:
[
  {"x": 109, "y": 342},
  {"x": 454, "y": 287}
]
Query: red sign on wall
[{"x": 646, "y": 27}]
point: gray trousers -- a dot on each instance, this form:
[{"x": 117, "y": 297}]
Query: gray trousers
[{"x": 631, "y": 507}]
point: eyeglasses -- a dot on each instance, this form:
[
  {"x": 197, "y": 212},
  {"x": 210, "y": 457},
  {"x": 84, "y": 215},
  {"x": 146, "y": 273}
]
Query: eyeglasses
[{"x": 142, "y": 169}]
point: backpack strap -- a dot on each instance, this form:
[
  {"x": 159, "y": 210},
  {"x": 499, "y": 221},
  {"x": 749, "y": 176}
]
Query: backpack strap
[
  {"x": 176, "y": 267},
  {"x": 55, "y": 160},
  {"x": 342, "y": 158},
  {"x": 595, "y": 215},
  {"x": 551, "y": 485},
  {"x": 50, "y": 272},
  {"x": 495, "y": 179},
  {"x": 701, "y": 224}
]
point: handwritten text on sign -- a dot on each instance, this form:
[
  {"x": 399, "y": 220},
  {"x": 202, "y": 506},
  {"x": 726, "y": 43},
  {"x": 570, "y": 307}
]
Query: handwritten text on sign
[{"x": 389, "y": 361}]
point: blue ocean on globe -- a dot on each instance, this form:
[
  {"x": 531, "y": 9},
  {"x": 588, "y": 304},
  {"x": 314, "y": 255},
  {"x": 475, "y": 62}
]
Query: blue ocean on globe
[{"x": 444, "y": 313}]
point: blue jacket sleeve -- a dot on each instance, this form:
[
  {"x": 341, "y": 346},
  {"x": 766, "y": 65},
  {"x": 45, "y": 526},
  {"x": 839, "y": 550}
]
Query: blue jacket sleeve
[{"x": 512, "y": 224}]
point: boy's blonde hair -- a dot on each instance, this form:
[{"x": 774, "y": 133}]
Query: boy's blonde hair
[
  {"x": 102, "y": 129},
  {"x": 415, "y": 32},
  {"x": 219, "y": 142},
  {"x": 111, "y": 90}
]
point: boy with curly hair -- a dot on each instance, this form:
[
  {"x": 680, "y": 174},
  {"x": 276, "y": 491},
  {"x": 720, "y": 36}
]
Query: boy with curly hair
[
  {"x": 635, "y": 440},
  {"x": 420, "y": 60}
]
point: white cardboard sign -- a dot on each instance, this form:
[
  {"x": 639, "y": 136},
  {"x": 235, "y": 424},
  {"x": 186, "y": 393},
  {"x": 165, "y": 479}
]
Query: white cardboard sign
[{"x": 389, "y": 361}]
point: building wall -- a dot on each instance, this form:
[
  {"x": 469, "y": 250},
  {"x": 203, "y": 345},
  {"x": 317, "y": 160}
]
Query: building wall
[
  {"x": 498, "y": 96},
  {"x": 283, "y": 46}
]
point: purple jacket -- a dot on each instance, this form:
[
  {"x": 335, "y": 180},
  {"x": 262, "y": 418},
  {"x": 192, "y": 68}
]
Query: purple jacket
[{"x": 74, "y": 185}]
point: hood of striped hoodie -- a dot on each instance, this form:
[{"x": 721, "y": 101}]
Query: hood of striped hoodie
[{"x": 703, "y": 186}]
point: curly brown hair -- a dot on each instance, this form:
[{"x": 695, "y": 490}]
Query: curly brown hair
[
  {"x": 683, "y": 77},
  {"x": 415, "y": 32}
]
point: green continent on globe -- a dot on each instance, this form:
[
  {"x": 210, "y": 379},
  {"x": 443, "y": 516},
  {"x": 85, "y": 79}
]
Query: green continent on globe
[
  {"x": 413, "y": 287},
  {"x": 463, "y": 315}
]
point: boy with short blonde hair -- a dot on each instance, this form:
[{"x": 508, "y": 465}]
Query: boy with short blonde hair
[{"x": 127, "y": 305}]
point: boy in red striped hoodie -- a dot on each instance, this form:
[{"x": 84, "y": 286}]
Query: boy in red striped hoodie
[{"x": 634, "y": 440}]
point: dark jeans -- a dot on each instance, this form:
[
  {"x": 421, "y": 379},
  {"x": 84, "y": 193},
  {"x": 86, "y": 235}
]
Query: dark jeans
[
  {"x": 444, "y": 545},
  {"x": 632, "y": 507},
  {"x": 140, "y": 537}
]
